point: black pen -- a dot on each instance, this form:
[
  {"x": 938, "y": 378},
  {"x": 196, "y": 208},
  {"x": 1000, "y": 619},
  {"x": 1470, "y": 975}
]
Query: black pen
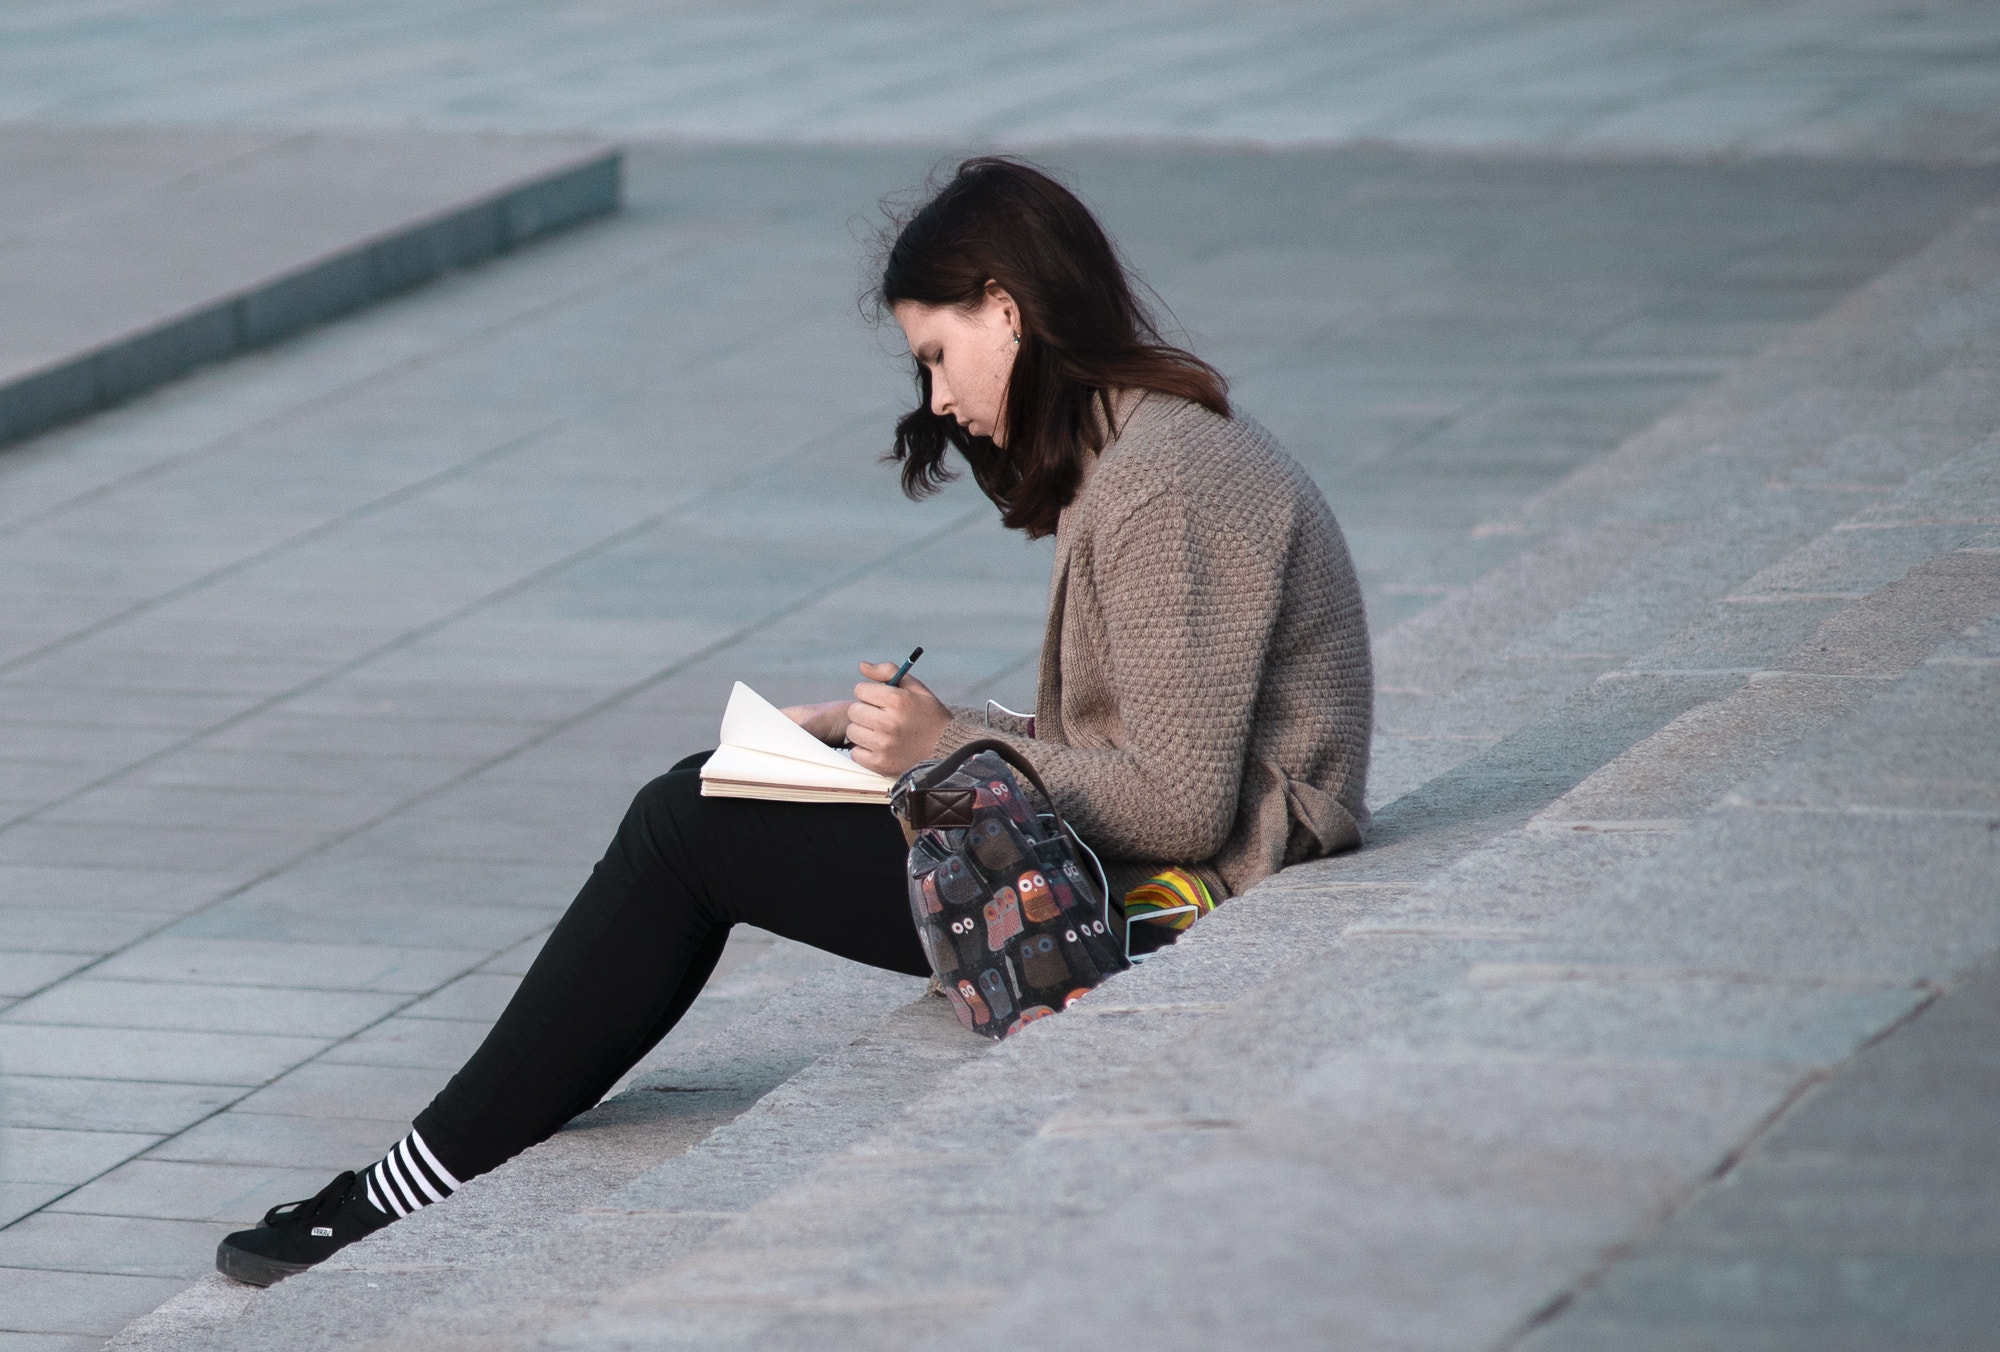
[{"x": 904, "y": 670}]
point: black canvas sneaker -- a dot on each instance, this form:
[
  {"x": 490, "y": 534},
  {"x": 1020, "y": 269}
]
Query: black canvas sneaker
[{"x": 293, "y": 1237}]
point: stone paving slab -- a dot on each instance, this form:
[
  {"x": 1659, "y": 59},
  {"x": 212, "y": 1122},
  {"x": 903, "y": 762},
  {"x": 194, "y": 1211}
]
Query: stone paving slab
[
  {"x": 1815, "y": 424},
  {"x": 89, "y": 1306},
  {"x": 749, "y": 1034},
  {"x": 1862, "y": 1218},
  {"x": 1865, "y": 78},
  {"x": 127, "y": 259}
]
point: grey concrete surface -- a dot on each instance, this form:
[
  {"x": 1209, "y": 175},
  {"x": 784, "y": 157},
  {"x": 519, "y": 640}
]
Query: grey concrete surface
[
  {"x": 1452, "y": 1112},
  {"x": 352, "y": 727},
  {"x": 1868, "y": 78},
  {"x": 1866, "y": 1217},
  {"x": 323, "y": 674},
  {"x": 130, "y": 257},
  {"x": 1427, "y": 1094}
]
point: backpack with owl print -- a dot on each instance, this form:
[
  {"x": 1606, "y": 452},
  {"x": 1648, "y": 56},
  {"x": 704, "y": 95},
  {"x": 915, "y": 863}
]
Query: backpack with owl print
[{"x": 1014, "y": 926}]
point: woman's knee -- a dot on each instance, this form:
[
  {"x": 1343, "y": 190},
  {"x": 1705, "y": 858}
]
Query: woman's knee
[
  {"x": 668, "y": 797},
  {"x": 658, "y": 846}
]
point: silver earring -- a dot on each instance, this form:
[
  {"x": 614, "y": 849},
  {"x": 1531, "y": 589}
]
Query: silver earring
[{"x": 1017, "y": 340}]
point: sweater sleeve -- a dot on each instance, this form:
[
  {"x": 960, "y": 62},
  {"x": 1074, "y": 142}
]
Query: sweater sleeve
[
  {"x": 986, "y": 722},
  {"x": 1189, "y": 604}
]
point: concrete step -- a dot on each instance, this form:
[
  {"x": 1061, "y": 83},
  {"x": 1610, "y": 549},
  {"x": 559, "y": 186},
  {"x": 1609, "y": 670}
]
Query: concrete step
[
  {"x": 129, "y": 256},
  {"x": 669, "y": 1218},
  {"x": 1191, "y": 1094},
  {"x": 1529, "y": 1062},
  {"x": 754, "y": 1026},
  {"x": 870, "y": 1274},
  {"x": 1187, "y": 1063},
  {"x": 1877, "y": 1184},
  {"x": 1768, "y": 642},
  {"x": 1411, "y": 1096},
  {"x": 1638, "y": 543}
]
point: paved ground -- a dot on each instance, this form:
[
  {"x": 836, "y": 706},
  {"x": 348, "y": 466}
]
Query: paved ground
[
  {"x": 305, "y": 760},
  {"x": 1700, "y": 803},
  {"x": 1855, "y": 77},
  {"x": 131, "y": 256},
  {"x": 1867, "y": 1218},
  {"x": 325, "y": 673}
]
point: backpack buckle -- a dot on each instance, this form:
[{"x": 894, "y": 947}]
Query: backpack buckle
[{"x": 941, "y": 809}]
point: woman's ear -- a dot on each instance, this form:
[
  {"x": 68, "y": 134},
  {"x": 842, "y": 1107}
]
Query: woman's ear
[{"x": 1008, "y": 312}]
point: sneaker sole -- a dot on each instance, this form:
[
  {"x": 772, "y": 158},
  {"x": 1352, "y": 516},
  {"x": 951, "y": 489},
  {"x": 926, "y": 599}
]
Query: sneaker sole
[{"x": 253, "y": 1269}]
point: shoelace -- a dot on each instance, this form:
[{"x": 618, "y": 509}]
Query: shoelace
[{"x": 305, "y": 1213}]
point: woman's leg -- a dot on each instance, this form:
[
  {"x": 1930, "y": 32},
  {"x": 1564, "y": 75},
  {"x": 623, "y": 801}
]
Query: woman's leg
[
  {"x": 632, "y": 952},
  {"x": 621, "y": 967}
]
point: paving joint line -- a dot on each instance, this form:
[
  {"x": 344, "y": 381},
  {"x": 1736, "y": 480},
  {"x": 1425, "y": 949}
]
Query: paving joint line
[{"x": 1626, "y": 1248}]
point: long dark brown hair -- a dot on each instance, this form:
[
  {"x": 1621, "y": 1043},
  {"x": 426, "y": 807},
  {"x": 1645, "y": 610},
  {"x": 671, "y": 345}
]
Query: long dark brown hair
[{"x": 1084, "y": 333}]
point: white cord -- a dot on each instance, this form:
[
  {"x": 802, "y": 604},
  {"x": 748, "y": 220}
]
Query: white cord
[
  {"x": 1103, "y": 883},
  {"x": 1104, "y": 890},
  {"x": 994, "y": 705}
]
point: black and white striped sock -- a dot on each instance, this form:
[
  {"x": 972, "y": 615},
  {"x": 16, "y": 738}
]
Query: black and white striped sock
[{"x": 407, "y": 1178}]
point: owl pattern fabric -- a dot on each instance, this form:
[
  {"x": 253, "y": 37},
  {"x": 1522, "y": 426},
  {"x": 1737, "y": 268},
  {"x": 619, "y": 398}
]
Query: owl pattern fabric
[{"x": 1014, "y": 929}]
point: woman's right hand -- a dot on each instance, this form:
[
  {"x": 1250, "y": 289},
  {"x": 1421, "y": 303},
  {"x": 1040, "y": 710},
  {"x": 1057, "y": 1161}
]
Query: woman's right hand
[{"x": 827, "y": 721}]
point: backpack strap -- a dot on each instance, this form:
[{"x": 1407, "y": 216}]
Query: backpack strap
[{"x": 924, "y": 807}]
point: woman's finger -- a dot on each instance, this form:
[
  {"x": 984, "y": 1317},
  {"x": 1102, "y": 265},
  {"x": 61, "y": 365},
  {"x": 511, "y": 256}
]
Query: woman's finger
[
  {"x": 875, "y": 729},
  {"x": 917, "y": 688},
  {"x": 893, "y": 727},
  {"x": 876, "y": 694},
  {"x": 826, "y": 720}
]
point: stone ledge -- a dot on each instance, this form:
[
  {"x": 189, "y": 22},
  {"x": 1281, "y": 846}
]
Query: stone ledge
[{"x": 151, "y": 252}]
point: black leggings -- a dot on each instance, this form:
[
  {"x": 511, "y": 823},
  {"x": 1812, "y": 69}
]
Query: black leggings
[{"x": 632, "y": 951}]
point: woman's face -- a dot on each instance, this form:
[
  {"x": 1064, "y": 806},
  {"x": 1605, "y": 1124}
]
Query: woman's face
[{"x": 970, "y": 355}]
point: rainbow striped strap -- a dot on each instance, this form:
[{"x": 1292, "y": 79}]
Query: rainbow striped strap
[{"x": 1163, "y": 898}]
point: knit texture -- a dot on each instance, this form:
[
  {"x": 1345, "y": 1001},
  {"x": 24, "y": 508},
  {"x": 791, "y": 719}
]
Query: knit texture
[{"x": 1204, "y": 697}]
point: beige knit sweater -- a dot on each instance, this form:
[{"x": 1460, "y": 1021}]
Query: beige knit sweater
[{"x": 1204, "y": 695}]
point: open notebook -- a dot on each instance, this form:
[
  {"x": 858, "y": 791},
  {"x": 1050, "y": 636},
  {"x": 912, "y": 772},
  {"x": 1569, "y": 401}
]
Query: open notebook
[{"x": 766, "y": 755}]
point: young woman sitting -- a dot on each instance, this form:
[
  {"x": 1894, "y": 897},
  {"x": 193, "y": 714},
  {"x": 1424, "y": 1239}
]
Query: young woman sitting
[{"x": 1202, "y": 714}]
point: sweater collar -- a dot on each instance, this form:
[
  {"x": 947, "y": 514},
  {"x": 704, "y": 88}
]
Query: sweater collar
[{"x": 1124, "y": 403}]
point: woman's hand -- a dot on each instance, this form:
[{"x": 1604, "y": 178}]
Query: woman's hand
[
  {"x": 892, "y": 727},
  {"x": 827, "y": 721}
]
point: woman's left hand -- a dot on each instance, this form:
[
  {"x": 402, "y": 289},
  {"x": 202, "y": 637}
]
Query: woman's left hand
[
  {"x": 827, "y": 721},
  {"x": 893, "y": 727}
]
